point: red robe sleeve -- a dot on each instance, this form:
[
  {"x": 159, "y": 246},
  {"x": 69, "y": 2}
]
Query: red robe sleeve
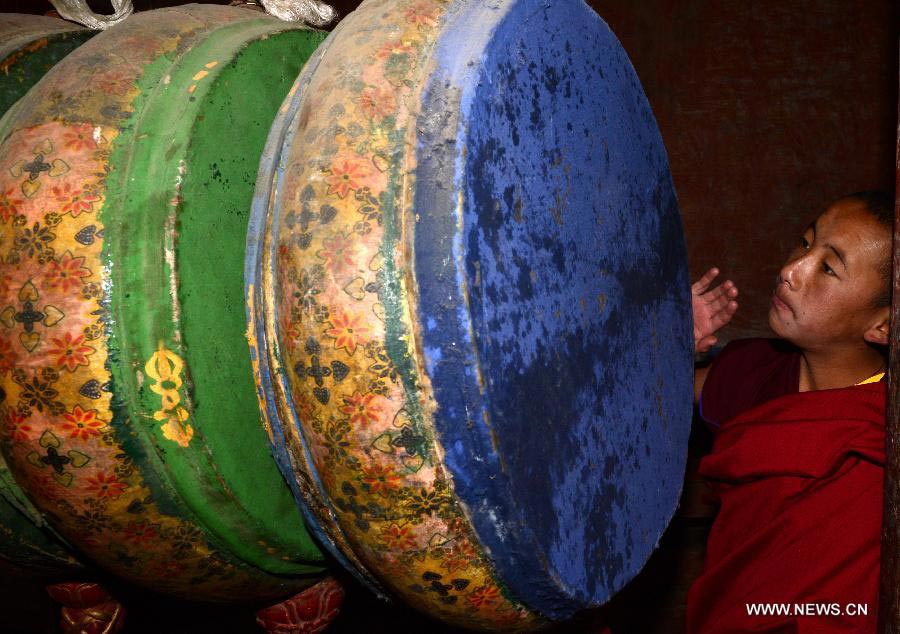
[
  {"x": 799, "y": 480},
  {"x": 747, "y": 373}
]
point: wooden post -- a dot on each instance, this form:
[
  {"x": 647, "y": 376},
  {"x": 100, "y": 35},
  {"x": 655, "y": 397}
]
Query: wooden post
[{"x": 889, "y": 601}]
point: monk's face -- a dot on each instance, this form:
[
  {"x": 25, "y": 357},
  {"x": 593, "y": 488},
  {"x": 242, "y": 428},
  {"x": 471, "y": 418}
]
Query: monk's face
[{"x": 827, "y": 292}]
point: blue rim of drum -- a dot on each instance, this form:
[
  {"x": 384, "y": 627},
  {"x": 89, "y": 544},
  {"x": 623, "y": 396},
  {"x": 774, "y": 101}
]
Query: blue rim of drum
[
  {"x": 557, "y": 336},
  {"x": 562, "y": 318}
]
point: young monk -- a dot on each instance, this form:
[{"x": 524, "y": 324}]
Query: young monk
[{"x": 797, "y": 465}]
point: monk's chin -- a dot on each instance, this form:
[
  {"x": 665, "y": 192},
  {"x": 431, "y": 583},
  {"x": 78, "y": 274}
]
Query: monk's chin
[{"x": 776, "y": 325}]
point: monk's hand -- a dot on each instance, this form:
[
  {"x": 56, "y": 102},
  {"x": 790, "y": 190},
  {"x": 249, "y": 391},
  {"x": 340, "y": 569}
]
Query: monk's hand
[{"x": 713, "y": 308}]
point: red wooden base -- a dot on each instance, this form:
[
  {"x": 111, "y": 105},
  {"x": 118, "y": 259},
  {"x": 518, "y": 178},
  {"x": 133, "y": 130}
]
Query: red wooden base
[
  {"x": 309, "y": 612},
  {"x": 87, "y": 608}
]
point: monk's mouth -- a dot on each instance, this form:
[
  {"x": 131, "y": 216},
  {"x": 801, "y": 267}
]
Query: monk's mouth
[{"x": 780, "y": 304}]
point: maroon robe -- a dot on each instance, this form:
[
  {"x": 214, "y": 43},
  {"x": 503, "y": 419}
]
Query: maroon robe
[
  {"x": 799, "y": 479},
  {"x": 746, "y": 373}
]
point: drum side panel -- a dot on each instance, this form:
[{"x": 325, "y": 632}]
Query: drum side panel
[
  {"x": 569, "y": 445},
  {"x": 290, "y": 453},
  {"x": 29, "y": 47},
  {"x": 340, "y": 301}
]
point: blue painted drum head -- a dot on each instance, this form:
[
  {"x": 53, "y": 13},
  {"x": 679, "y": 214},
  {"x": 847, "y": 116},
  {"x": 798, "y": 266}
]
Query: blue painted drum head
[{"x": 470, "y": 307}]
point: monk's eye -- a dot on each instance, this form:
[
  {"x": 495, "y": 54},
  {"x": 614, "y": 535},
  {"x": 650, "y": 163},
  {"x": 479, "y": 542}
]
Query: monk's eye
[
  {"x": 804, "y": 243},
  {"x": 828, "y": 270}
]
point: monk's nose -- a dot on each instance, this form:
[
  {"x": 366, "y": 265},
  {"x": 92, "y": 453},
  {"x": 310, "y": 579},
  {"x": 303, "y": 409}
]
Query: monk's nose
[{"x": 795, "y": 271}]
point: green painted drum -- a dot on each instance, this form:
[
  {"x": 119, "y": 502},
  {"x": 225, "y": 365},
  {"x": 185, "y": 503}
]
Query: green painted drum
[
  {"x": 127, "y": 177},
  {"x": 30, "y": 45}
]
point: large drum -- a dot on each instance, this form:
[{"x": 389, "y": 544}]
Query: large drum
[
  {"x": 132, "y": 425},
  {"x": 470, "y": 307},
  {"x": 29, "y": 46}
]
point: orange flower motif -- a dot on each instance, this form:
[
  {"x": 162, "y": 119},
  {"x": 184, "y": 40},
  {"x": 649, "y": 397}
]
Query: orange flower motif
[
  {"x": 483, "y": 596},
  {"x": 290, "y": 331},
  {"x": 362, "y": 408},
  {"x": 67, "y": 272},
  {"x": 339, "y": 252},
  {"x": 348, "y": 331},
  {"x": 345, "y": 177},
  {"x": 8, "y": 357},
  {"x": 454, "y": 562},
  {"x": 397, "y": 538},
  {"x": 329, "y": 481},
  {"x": 82, "y": 424},
  {"x": 17, "y": 429},
  {"x": 460, "y": 556},
  {"x": 106, "y": 485},
  {"x": 9, "y": 204},
  {"x": 74, "y": 201},
  {"x": 79, "y": 138},
  {"x": 380, "y": 479},
  {"x": 377, "y": 103},
  {"x": 421, "y": 14},
  {"x": 397, "y": 47},
  {"x": 139, "y": 532},
  {"x": 71, "y": 351},
  {"x": 303, "y": 405},
  {"x": 464, "y": 548},
  {"x": 168, "y": 568}
]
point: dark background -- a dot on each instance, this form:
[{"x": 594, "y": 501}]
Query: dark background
[{"x": 769, "y": 110}]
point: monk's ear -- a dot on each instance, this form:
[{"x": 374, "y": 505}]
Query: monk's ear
[{"x": 880, "y": 330}]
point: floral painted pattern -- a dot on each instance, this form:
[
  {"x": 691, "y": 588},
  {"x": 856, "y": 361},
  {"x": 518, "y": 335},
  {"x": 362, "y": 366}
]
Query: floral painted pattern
[
  {"x": 81, "y": 424},
  {"x": 58, "y": 430},
  {"x": 362, "y": 404}
]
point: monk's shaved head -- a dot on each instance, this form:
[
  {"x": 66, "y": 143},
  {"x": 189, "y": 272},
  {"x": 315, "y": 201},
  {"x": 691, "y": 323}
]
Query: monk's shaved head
[{"x": 880, "y": 204}]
